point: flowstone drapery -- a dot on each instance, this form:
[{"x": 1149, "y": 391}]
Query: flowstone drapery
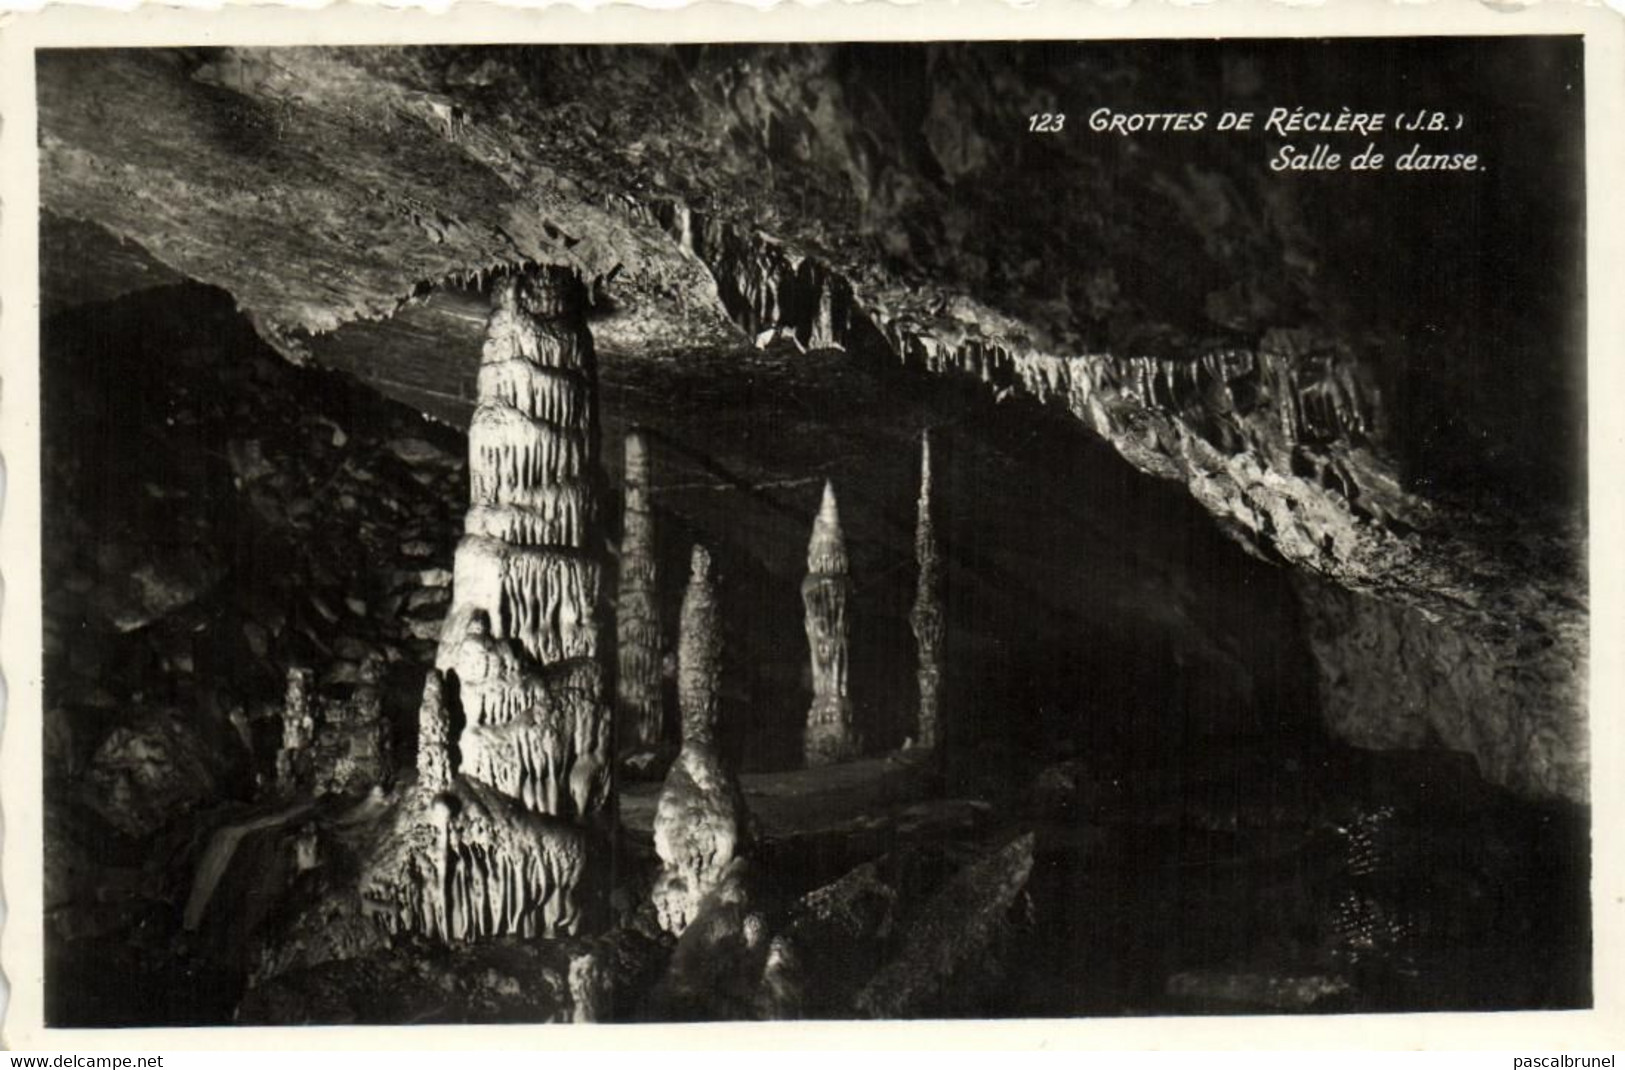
[
  {"x": 471, "y": 862},
  {"x": 830, "y": 735},
  {"x": 637, "y": 610},
  {"x": 700, "y": 820},
  {"x": 927, "y": 617},
  {"x": 522, "y": 637}
]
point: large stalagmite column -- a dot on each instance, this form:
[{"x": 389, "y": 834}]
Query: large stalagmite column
[
  {"x": 700, "y": 820},
  {"x": 523, "y": 633},
  {"x": 926, "y": 618},
  {"x": 830, "y": 735},
  {"x": 637, "y": 610},
  {"x": 495, "y": 837}
]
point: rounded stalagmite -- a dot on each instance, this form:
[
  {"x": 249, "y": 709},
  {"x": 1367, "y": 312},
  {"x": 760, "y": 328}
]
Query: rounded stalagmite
[{"x": 700, "y": 821}]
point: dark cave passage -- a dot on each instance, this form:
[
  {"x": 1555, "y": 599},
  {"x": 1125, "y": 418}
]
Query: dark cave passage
[{"x": 1090, "y": 606}]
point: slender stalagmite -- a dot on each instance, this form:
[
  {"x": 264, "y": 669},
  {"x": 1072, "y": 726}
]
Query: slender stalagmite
[
  {"x": 637, "y": 610},
  {"x": 434, "y": 736},
  {"x": 699, "y": 821},
  {"x": 830, "y": 735},
  {"x": 523, "y": 635},
  {"x": 927, "y": 615}
]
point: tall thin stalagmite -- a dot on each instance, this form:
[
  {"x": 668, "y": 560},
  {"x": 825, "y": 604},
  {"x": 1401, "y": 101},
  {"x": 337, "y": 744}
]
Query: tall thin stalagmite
[
  {"x": 830, "y": 735},
  {"x": 637, "y": 610},
  {"x": 700, "y": 820},
  {"x": 927, "y": 616},
  {"x": 523, "y": 633},
  {"x": 699, "y": 653},
  {"x": 434, "y": 735}
]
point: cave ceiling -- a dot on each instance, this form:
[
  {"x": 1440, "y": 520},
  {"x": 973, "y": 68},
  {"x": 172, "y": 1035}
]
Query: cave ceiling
[{"x": 1292, "y": 360}]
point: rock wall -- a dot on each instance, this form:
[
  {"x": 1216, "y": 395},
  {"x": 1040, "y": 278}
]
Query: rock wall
[
  {"x": 337, "y": 746},
  {"x": 1391, "y": 678}
]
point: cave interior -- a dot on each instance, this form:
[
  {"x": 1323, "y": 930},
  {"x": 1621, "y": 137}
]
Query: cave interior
[{"x": 1234, "y": 663}]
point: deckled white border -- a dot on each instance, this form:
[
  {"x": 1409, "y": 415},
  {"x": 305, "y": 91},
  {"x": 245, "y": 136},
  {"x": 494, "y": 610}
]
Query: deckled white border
[{"x": 441, "y": 21}]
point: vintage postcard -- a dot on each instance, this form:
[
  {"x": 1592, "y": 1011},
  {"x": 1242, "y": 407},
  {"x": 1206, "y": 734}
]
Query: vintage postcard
[{"x": 1062, "y": 523}]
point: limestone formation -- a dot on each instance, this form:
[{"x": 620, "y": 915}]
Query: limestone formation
[
  {"x": 487, "y": 843},
  {"x": 637, "y": 610},
  {"x": 949, "y": 947},
  {"x": 830, "y": 736},
  {"x": 782, "y": 995},
  {"x": 927, "y": 617},
  {"x": 700, "y": 820},
  {"x": 522, "y": 637},
  {"x": 434, "y": 736},
  {"x": 473, "y": 863},
  {"x": 461, "y": 857},
  {"x": 307, "y": 848},
  {"x": 538, "y": 734}
]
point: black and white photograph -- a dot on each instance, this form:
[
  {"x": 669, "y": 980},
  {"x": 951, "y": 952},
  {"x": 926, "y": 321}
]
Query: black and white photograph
[{"x": 809, "y": 530}]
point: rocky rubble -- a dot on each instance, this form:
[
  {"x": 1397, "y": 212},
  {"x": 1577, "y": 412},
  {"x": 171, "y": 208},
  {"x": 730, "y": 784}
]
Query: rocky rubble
[{"x": 947, "y": 956}]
